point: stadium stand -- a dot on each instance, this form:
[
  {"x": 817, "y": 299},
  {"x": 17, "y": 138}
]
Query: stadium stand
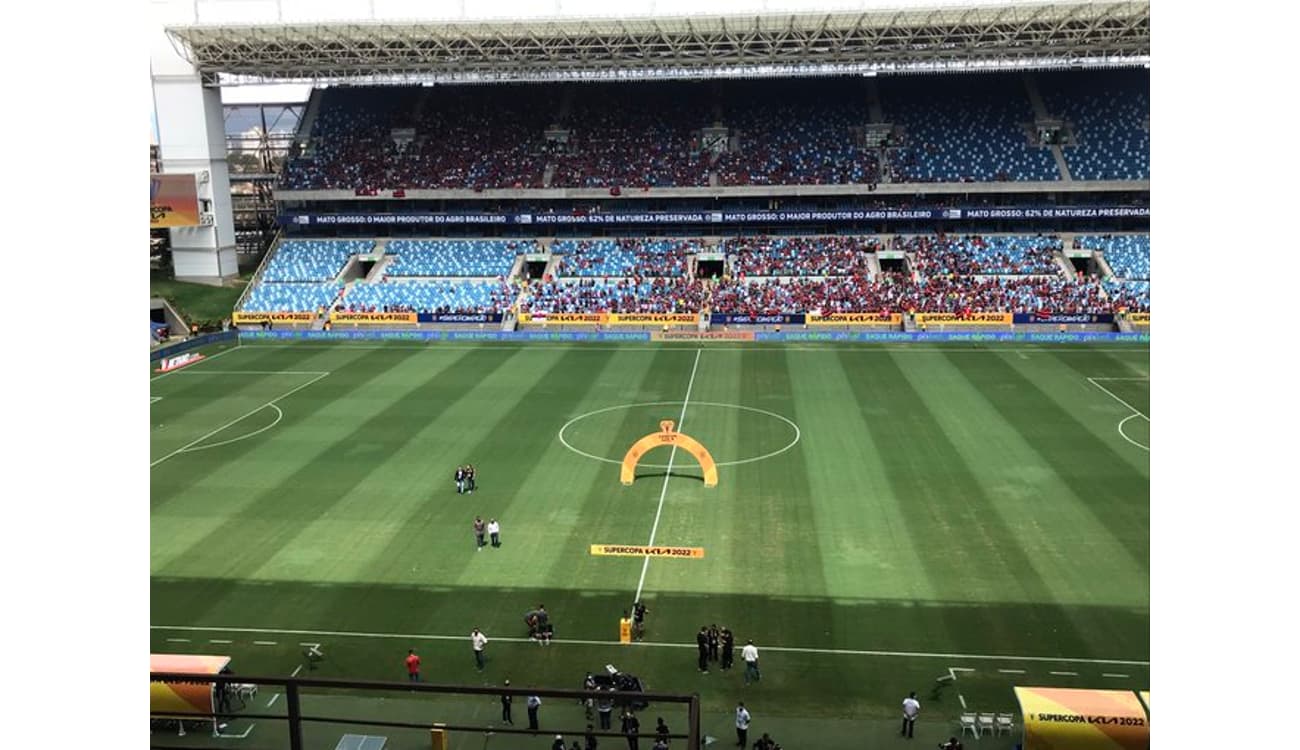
[
  {"x": 796, "y": 132},
  {"x": 661, "y": 295},
  {"x": 639, "y": 258},
  {"x": 799, "y": 256},
  {"x": 632, "y": 135},
  {"x": 963, "y": 129},
  {"x": 982, "y": 255},
  {"x": 492, "y": 258},
  {"x": 291, "y": 297},
  {"x": 1133, "y": 296},
  {"x": 312, "y": 260},
  {"x": 1107, "y": 110},
  {"x": 460, "y": 296},
  {"x": 1128, "y": 255}
]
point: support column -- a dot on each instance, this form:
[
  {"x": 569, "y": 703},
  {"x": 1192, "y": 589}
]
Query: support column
[{"x": 192, "y": 140}]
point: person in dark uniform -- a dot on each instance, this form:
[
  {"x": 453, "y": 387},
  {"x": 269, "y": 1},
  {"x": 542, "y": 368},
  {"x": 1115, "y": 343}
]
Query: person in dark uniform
[
  {"x": 702, "y": 642},
  {"x": 590, "y": 738},
  {"x": 506, "y": 700},
  {"x": 479, "y": 531},
  {"x": 223, "y": 692},
  {"x": 631, "y": 728},
  {"x": 728, "y": 647},
  {"x": 713, "y": 642},
  {"x": 638, "y": 620},
  {"x": 460, "y": 480},
  {"x": 469, "y": 478},
  {"x": 661, "y": 731}
]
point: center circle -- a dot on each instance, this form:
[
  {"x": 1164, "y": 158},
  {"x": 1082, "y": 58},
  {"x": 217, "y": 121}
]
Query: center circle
[{"x": 622, "y": 407}]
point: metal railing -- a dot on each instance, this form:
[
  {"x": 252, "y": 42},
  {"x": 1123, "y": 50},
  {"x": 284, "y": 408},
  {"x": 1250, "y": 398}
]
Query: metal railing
[{"x": 294, "y": 717}]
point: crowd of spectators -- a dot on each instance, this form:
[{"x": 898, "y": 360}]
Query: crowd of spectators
[
  {"x": 1108, "y": 112},
  {"x": 1131, "y": 296},
  {"x": 969, "y": 255},
  {"x": 463, "y": 297},
  {"x": 659, "y": 295},
  {"x": 795, "y": 133},
  {"x": 636, "y": 135},
  {"x": 637, "y": 258},
  {"x": 897, "y": 292},
  {"x": 798, "y": 256},
  {"x": 967, "y": 128}
]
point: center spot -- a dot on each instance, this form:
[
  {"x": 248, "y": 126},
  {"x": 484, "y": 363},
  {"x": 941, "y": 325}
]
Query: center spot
[{"x": 732, "y": 433}]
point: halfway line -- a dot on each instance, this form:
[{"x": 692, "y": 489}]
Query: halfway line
[{"x": 667, "y": 475}]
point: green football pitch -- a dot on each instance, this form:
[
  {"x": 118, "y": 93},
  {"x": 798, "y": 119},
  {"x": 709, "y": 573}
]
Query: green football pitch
[{"x": 953, "y": 520}]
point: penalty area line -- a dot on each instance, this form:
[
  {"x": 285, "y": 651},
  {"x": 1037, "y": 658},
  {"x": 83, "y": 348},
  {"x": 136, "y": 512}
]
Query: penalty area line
[{"x": 654, "y": 644}]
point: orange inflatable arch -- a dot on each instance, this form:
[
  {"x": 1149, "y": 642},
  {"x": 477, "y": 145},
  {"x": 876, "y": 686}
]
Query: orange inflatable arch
[{"x": 669, "y": 437}]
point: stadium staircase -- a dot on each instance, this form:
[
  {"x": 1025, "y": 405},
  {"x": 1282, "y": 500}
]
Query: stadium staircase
[
  {"x": 875, "y": 112},
  {"x": 377, "y": 273},
  {"x": 873, "y": 264},
  {"x": 1040, "y": 112}
]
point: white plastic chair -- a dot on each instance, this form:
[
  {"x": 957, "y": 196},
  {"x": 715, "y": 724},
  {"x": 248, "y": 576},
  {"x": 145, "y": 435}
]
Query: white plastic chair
[
  {"x": 968, "y": 724},
  {"x": 987, "y": 723},
  {"x": 1005, "y": 723}
]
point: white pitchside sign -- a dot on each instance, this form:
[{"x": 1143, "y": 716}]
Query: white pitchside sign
[{"x": 179, "y": 361}]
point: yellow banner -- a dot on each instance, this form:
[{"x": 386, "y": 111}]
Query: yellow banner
[
  {"x": 568, "y": 319},
  {"x": 848, "y": 319},
  {"x": 1083, "y": 719},
  {"x": 640, "y": 319},
  {"x": 376, "y": 317},
  {"x": 955, "y": 319},
  {"x": 1140, "y": 319},
  {"x": 633, "y": 550},
  {"x": 275, "y": 317}
]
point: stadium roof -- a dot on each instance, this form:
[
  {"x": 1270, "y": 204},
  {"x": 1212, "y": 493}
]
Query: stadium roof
[{"x": 990, "y": 37}]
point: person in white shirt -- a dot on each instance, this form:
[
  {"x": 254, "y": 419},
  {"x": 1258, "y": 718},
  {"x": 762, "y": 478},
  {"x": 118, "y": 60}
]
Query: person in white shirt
[
  {"x": 911, "y": 707},
  {"x": 742, "y": 725},
  {"x": 534, "y": 704},
  {"x": 750, "y": 654},
  {"x": 494, "y": 531},
  {"x": 478, "y": 640}
]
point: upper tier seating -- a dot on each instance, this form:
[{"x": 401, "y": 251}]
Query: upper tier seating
[
  {"x": 967, "y": 128},
  {"x": 455, "y": 257},
  {"x": 1107, "y": 109}
]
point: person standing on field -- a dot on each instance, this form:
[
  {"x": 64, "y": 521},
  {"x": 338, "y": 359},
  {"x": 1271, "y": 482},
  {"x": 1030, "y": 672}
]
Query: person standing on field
[
  {"x": 605, "y": 710},
  {"x": 742, "y": 725},
  {"x": 494, "y": 531},
  {"x": 478, "y": 641},
  {"x": 728, "y": 647},
  {"x": 506, "y": 700},
  {"x": 412, "y": 666},
  {"x": 714, "y": 641},
  {"x": 460, "y": 480},
  {"x": 534, "y": 705},
  {"x": 631, "y": 729},
  {"x": 702, "y": 643},
  {"x": 479, "y": 528},
  {"x": 911, "y": 707},
  {"x": 750, "y": 654}
]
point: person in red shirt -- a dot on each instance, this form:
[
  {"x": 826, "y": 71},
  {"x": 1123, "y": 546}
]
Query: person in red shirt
[{"x": 412, "y": 666}]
